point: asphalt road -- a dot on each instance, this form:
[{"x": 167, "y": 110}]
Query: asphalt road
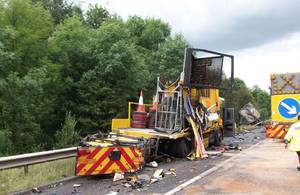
[
  {"x": 265, "y": 169},
  {"x": 185, "y": 170}
]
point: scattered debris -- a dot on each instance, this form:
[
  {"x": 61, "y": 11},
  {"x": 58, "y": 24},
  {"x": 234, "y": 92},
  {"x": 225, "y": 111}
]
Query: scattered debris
[
  {"x": 214, "y": 153},
  {"x": 158, "y": 174},
  {"x": 168, "y": 160},
  {"x": 256, "y": 137},
  {"x": 118, "y": 177},
  {"x": 191, "y": 156},
  {"x": 235, "y": 147},
  {"x": 171, "y": 171},
  {"x": 36, "y": 190},
  {"x": 132, "y": 178},
  {"x": 76, "y": 185},
  {"x": 112, "y": 193},
  {"x": 75, "y": 188},
  {"x": 249, "y": 114},
  {"x": 55, "y": 185},
  {"x": 127, "y": 185},
  {"x": 152, "y": 164},
  {"x": 153, "y": 180}
]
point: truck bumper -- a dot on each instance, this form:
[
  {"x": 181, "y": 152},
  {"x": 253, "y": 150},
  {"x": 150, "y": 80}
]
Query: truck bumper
[{"x": 108, "y": 160}]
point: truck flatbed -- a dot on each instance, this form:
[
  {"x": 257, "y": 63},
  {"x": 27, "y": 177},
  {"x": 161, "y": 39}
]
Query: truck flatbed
[{"x": 150, "y": 133}]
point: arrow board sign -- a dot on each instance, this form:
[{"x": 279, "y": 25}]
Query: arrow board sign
[{"x": 289, "y": 108}]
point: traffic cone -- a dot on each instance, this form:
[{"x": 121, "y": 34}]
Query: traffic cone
[{"x": 141, "y": 106}]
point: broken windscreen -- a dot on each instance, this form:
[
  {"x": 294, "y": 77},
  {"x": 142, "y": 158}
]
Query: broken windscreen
[{"x": 203, "y": 71}]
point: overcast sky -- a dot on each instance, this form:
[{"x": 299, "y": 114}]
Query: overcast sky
[{"x": 263, "y": 35}]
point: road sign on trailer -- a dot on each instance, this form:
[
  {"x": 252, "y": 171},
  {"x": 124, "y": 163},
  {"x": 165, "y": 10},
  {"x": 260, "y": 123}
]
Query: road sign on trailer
[{"x": 285, "y": 108}]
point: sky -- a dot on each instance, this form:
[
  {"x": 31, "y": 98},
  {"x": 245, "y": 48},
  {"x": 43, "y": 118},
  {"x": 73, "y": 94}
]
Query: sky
[{"x": 263, "y": 35}]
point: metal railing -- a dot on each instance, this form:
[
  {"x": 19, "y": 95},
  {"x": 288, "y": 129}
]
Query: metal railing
[{"x": 24, "y": 160}]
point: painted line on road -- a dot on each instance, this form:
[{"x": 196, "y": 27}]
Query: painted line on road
[{"x": 209, "y": 171}]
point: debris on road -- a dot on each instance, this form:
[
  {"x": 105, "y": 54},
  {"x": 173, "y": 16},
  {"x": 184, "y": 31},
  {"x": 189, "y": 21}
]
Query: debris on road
[
  {"x": 76, "y": 185},
  {"x": 36, "y": 190},
  {"x": 55, "y": 185},
  {"x": 171, "y": 171},
  {"x": 249, "y": 114},
  {"x": 127, "y": 185},
  {"x": 152, "y": 164},
  {"x": 191, "y": 156},
  {"x": 75, "y": 188},
  {"x": 112, "y": 193},
  {"x": 214, "y": 153},
  {"x": 168, "y": 160},
  {"x": 118, "y": 177},
  {"x": 158, "y": 174},
  {"x": 233, "y": 147}
]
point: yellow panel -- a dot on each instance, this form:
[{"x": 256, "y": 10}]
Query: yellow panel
[
  {"x": 120, "y": 123},
  {"x": 275, "y": 101}
]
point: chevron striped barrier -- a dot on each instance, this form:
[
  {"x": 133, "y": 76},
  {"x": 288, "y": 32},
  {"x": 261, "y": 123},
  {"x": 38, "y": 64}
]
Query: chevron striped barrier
[
  {"x": 277, "y": 131},
  {"x": 108, "y": 160}
]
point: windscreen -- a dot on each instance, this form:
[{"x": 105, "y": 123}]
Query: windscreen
[{"x": 206, "y": 69}]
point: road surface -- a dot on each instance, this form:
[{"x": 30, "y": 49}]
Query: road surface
[
  {"x": 264, "y": 169},
  {"x": 185, "y": 170}
]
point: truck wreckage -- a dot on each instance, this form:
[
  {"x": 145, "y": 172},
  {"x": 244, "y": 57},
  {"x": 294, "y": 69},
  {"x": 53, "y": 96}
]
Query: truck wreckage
[{"x": 185, "y": 118}]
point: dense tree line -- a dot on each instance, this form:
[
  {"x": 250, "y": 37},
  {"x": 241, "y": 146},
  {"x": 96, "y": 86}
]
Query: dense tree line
[{"x": 65, "y": 73}]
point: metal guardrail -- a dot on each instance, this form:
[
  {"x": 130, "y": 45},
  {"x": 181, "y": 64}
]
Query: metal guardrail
[{"x": 24, "y": 160}]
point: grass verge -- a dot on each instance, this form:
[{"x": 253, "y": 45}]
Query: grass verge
[{"x": 12, "y": 180}]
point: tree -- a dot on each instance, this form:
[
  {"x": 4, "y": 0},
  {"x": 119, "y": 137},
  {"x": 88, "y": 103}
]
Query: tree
[
  {"x": 96, "y": 15},
  {"x": 60, "y": 9},
  {"x": 67, "y": 136},
  {"x": 168, "y": 59},
  {"x": 236, "y": 97},
  {"x": 263, "y": 102},
  {"x": 118, "y": 74},
  {"x": 24, "y": 29},
  {"x": 149, "y": 33}
]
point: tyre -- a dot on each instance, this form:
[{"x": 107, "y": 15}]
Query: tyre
[
  {"x": 217, "y": 137},
  {"x": 179, "y": 148}
]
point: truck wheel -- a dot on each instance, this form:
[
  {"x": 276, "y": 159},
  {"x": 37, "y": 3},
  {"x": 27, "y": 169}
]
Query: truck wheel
[
  {"x": 217, "y": 137},
  {"x": 182, "y": 148}
]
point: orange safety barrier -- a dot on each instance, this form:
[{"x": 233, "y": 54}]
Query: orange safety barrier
[
  {"x": 108, "y": 160},
  {"x": 277, "y": 131}
]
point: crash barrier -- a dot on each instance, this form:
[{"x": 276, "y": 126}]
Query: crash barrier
[
  {"x": 277, "y": 130},
  {"x": 24, "y": 160}
]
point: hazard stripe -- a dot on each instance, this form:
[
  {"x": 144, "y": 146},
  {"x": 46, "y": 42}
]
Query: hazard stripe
[
  {"x": 278, "y": 131},
  {"x": 128, "y": 159},
  {"x": 102, "y": 171},
  {"x": 121, "y": 166},
  {"x": 99, "y": 161},
  {"x": 274, "y": 130},
  {"x": 89, "y": 165},
  {"x": 90, "y": 156},
  {"x": 274, "y": 127},
  {"x": 134, "y": 152},
  {"x": 283, "y": 135}
]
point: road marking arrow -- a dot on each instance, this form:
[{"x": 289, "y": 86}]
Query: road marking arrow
[{"x": 291, "y": 110}]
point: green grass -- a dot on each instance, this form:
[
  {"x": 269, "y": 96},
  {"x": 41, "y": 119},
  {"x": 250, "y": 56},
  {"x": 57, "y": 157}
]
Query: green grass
[{"x": 12, "y": 180}]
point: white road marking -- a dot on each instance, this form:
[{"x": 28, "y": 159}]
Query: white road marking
[{"x": 207, "y": 172}]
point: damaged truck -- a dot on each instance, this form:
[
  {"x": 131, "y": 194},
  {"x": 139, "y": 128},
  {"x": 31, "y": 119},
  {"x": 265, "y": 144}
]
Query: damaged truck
[{"x": 185, "y": 118}]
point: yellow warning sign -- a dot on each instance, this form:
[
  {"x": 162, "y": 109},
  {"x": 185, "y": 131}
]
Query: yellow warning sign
[{"x": 285, "y": 108}]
